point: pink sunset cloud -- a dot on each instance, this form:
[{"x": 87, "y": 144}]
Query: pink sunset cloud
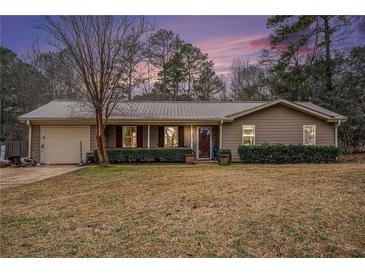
[
  {"x": 261, "y": 43},
  {"x": 222, "y": 50}
]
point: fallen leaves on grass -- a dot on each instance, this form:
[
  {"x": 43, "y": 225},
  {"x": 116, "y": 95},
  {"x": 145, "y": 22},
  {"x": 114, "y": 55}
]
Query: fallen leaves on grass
[{"x": 189, "y": 211}]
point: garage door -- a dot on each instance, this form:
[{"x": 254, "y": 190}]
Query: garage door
[{"x": 62, "y": 144}]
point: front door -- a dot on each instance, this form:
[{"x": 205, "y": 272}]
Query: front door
[{"x": 204, "y": 142}]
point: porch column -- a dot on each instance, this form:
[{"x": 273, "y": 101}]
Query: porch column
[
  {"x": 221, "y": 134},
  {"x": 148, "y": 137},
  {"x": 29, "y": 139},
  {"x": 191, "y": 136}
]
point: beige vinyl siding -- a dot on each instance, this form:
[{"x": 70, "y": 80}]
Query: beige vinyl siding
[
  {"x": 277, "y": 124},
  {"x": 93, "y": 138},
  {"x": 187, "y": 136},
  {"x": 36, "y": 138}
]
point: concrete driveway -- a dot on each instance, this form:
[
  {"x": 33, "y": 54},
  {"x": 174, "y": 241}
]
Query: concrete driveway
[{"x": 11, "y": 177}]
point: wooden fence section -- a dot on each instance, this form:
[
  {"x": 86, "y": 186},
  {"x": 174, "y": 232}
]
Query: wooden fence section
[{"x": 17, "y": 147}]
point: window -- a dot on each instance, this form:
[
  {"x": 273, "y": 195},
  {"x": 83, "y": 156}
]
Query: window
[
  {"x": 129, "y": 136},
  {"x": 171, "y": 136},
  {"x": 309, "y": 134},
  {"x": 248, "y": 134}
]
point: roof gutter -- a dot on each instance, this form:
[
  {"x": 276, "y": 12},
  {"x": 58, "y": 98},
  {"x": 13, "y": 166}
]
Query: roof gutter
[
  {"x": 338, "y": 119},
  {"x": 115, "y": 121}
]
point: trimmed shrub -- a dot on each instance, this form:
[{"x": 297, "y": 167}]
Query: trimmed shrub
[
  {"x": 144, "y": 155},
  {"x": 225, "y": 151},
  {"x": 281, "y": 154}
]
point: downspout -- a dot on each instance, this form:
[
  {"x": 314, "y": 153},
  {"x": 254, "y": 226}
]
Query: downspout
[
  {"x": 336, "y": 132},
  {"x": 29, "y": 139}
]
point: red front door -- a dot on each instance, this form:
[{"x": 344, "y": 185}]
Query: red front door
[{"x": 204, "y": 142}]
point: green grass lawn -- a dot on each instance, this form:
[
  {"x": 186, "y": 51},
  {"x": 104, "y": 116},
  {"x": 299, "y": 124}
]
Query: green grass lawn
[{"x": 189, "y": 211}]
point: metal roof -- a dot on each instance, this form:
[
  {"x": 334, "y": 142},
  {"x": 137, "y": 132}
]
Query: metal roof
[
  {"x": 317, "y": 108},
  {"x": 157, "y": 110}
]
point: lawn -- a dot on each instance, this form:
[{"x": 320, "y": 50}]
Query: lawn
[{"x": 189, "y": 211}]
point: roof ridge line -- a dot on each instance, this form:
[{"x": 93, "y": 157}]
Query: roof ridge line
[{"x": 167, "y": 102}]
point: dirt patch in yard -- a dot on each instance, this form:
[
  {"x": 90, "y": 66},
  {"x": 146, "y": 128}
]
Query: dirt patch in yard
[
  {"x": 355, "y": 157},
  {"x": 189, "y": 211}
]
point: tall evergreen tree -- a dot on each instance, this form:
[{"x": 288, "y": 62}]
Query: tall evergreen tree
[
  {"x": 174, "y": 72},
  {"x": 161, "y": 47},
  {"x": 193, "y": 60},
  {"x": 181, "y": 67},
  {"x": 23, "y": 88},
  {"x": 208, "y": 86},
  {"x": 296, "y": 35}
]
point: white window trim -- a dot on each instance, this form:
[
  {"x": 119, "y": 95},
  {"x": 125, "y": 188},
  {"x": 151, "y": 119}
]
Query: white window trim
[
  {"x": 315, "y": 134},
  {"x": 254, "y": 134},
  {"x": 123, "y": 136},
  {"x": 164, "y": 136}
]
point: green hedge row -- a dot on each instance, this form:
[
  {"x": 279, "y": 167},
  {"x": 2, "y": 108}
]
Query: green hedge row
[
  {"x": 135, "y": 155},
  {"x": 280, "y": 154}
]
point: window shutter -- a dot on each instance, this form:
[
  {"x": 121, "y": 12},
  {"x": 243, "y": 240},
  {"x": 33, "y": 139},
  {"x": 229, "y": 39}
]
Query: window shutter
[
  {"x": 181, "y": 136},
  {"x": 139, "y": 136},
  {"x": 119, "y": 136},
  {"x": 161, "y": 136}
]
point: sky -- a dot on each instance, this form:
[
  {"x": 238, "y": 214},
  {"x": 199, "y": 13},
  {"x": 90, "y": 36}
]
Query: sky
[{"x": 222, "y": 37}]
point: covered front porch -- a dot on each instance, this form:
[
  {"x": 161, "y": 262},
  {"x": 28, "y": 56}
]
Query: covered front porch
[{"x": 204, "y": 140}]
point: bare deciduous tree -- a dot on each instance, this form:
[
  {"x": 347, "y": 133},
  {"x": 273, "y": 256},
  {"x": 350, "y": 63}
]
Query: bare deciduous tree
[
  {"x": 133, "y": 77},
  {"x": 247, "y": 81},
  {"x": 97, "y": 46}
]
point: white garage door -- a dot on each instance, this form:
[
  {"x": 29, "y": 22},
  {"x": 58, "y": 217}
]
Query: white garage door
[{"x": 62, "y": 144}]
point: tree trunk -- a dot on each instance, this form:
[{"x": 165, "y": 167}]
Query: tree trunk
[
  {"x": 327, "y": 38},
  {"x": 189, "y": 82},
  {"x": 129, "y": 93},
  {"x": 176, "y": 91},
  {"x": 130, "y": 86},
  {"x": 100, "y": 139}
]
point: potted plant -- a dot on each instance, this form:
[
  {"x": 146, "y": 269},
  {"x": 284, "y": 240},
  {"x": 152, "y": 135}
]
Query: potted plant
[
  {"x": 189, "y": 158},
  {"x": 224, "y": 156}
]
